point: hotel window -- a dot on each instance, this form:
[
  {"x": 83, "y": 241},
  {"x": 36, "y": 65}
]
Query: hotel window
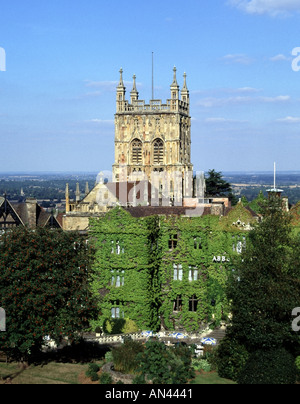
[
  {"x": 197, "y": 243},
  {"x": 193, "y": 303},
  {"x": 177, "y": 272},
  {"x": 173, "y": 240},
  {"x": 193, "y": 274},
  {"x": 117, "y": 278},
  {"x": 116, "y": 310},
  {"x": 239, "y": 244},
  {"x": 116, "y": 248},
  {"x": 178, "y": 304}
]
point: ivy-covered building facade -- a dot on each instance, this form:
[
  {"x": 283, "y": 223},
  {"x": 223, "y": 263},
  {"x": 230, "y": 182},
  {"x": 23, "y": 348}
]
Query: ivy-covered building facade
[
  {"x": 164, "y": 247},
  {"x": 166, "y": 271}
]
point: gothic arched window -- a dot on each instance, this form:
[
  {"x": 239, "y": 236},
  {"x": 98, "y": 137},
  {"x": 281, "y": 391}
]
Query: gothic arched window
[
  {"x": 158, "y": 151},
  {"x": 136, "y": 151}
]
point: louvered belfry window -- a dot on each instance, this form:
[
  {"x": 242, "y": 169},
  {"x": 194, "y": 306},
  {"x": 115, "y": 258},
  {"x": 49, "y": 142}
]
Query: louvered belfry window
[
  {"x": 158, "y": 151},
  {"x": 136, "y": 152}
]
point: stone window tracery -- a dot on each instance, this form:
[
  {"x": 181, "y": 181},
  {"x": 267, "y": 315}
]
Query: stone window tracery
[
  {"x": 136, "y": 152},
  {"x": 158, "y": 151}
]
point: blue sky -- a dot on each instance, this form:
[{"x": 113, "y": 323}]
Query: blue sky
[{"x": 57, "y": 93}]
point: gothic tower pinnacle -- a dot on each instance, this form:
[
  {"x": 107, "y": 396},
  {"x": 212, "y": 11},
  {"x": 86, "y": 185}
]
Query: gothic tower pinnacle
[
  {"x": 134, "y": 95},
  {"x": 185, "y": 96},
  {"x": 174, "y": 86},
  {"x": 121, "y": 90}
]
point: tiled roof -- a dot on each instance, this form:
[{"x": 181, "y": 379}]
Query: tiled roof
[{"x": 144, "y": 211}]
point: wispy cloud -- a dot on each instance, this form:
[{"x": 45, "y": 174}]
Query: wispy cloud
[
  {"x": 239, "y": 58},
  {"x": 211, "y": 102},
  {"x": 242, "y": 90},
  {"x": 225, "y": 91},
  {"x": 108, "y": 85},
  {"x": 216, "y": 120},
  {"x": 103, "y": 85},
  {"x": 289, "y": 119},
  {"x": 271, "y": 7},
  {"x": 281, "y": 58},
  {"x": 100, "y": 121}
]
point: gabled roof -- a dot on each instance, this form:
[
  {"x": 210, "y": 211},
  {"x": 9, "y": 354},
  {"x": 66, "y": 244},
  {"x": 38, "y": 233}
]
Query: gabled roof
[
  {"x": 239, "y": 216},
  {"x": 17, "y": 214},
  {"x": 8, "y": 215}
]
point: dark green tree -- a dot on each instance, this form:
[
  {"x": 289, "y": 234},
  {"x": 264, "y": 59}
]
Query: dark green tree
[
  {"x": 217, "y": 186},
  {"x": 44, "y": 288},
  {"x": 265, "y": 287}
]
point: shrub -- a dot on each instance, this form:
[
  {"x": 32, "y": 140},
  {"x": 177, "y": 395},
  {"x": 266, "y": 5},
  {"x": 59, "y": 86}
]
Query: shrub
[
  {"x": 109, "y": 357},
  {"x": 139, "y": 379},
  {"x": 92, "y": 371},
  {"x": 201, "y": 364},
  {"x": 211, "y": 355},
  {"x": 275, "y": 366},
  {"x": 94, "y": 376},
  {"x": 162, "y": 365},
  {"x": 105, "y": 378},
  {"x": 125, "y": 356},
  {"x": 298, "y": 363},
  {"x": 184, "y": 371},
  {"x": 119, "y": 326},
  {"x": 94, "y": 367},
  {"x": 129, "y": 327},
  {"x": 154, "y": 363},
  {"x": 231, "y": 358}
]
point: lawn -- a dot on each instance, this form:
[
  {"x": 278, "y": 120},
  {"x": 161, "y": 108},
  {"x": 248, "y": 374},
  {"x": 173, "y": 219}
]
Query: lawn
[
  {"x": 51, "y": 373},
  {"x": 71, "y": 373},
  {"x": 210, "y": 378}
]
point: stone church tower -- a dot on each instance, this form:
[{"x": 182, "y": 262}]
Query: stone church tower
[
  {"x": 152, "y": 138},
  {"x": 152, "y": 172}
]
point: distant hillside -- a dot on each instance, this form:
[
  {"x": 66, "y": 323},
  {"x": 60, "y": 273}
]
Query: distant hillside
[
  {"x": 51, "y": 186},
  {"x": 249, "y": 184}
]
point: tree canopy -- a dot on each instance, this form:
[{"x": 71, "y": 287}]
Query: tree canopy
[
  {"x": 44, "y": 290},
  {"x": 265, "y": 287},
  {"x": 216, "y": 186}
]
